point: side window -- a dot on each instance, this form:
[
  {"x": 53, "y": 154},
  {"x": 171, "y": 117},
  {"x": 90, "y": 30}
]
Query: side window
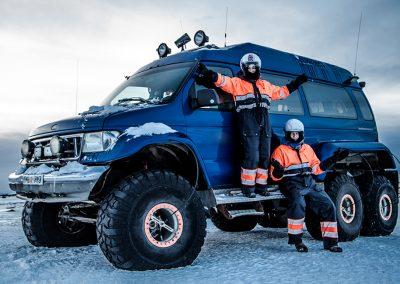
[
  {"x": 328, "y": 101},
  {"x": 226, "y": 98},
  {"x": 291, "y": 105},
  {"x": 363, "y": 104}
]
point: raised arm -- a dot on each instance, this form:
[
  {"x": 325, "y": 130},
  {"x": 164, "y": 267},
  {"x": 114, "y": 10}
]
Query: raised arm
[
  {"x": 280, "y": 93},
  {"x": 211, "y": 79}
]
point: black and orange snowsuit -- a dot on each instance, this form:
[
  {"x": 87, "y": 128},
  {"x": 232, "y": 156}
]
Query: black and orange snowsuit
[
  {"x": 299, "y": 187},
  {"x": 252, "y": 100}
]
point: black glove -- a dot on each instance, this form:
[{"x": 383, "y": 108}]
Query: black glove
[
  {"x": 278, "y": 169},
  {"x": 338, "y": 155},
  {"x": 294, "y": 84},
  {"x": 205, "y": 76}
]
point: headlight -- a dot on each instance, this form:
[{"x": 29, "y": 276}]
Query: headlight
[
  {"x": 57, "y": 145},
  {"x": 99, "y": 141},
  {"x": 38, "y": 152},
  {"x": 27, "y": 148}
]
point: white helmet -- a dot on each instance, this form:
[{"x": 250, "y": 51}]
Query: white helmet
[
  {"x": 249, "y": 58},
  {"x": 294, "y": 125}
]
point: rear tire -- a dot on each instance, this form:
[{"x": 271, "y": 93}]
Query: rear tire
[
  {"x": 152, "y": 220},
  {"x": 238, "y": 224},
  {"x": 346, "y": 196},
  {"x": 381, "y": 208},
  {"x": 43, "y": 227}
]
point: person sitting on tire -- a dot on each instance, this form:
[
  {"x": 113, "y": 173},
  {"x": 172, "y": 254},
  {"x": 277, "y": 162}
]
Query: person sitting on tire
[
  {"x": 252, "y": 97},
  {"x": 295, "y": 165}
]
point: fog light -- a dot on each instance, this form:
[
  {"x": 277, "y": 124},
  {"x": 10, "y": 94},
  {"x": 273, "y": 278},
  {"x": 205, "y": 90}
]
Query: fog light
[
  {"x": 163, "y": 50},
  {"x": 38, "y": 152},
  {"x": 27, "y": 148},
  {"x": 200, "y": 38},
  {"x": 57, "y": 145}
]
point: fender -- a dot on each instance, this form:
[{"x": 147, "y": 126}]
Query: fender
[
  {"x": 325, "y": 150},
  {"x": 127, "y": 146}
]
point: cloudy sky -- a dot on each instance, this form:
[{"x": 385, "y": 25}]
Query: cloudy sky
[{"x": 51, "y": 50}]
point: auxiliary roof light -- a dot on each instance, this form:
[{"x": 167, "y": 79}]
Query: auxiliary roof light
[
  {"x": 200, "y": 38},
  {"x": 182, "y": 41},
  {"x": 163, "y": 50}
]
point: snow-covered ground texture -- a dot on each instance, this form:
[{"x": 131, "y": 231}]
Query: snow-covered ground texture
[{"x": 259, "y": 256}]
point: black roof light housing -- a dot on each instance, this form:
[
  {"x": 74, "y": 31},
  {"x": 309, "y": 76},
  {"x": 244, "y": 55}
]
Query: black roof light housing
[
  {"x": 182, "y": 41},
  {"x": 200, "y": 38},
  {"x": 163, "y": 50}
]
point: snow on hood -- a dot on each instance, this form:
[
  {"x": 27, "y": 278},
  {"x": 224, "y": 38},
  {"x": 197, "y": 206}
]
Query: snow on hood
[
  {"x": 102, "y": 110},
  {"x": 148, "y": 129}
]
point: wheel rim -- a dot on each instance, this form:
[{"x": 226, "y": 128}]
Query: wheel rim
[
  {"x": 163, "y": 225},
  {"x": 347, "y": 208},
  {"x": 385, "y": 207}
]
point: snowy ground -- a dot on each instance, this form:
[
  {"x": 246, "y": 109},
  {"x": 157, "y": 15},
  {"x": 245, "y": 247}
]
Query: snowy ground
[{"x": 258, "y": 256}]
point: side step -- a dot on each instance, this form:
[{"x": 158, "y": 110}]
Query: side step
[
  {"x": 245, "y": 212},
  {"x": 234, "y": 195}
]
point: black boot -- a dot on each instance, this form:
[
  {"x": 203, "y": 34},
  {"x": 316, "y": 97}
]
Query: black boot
[
  {"x": 249, "y": 191},
  {"x": 301, "y": 247},
  {"x": 262, "y": 190},
  {"x": 334, "y": 248}
]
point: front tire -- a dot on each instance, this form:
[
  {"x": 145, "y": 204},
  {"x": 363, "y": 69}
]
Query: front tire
[
  {"x": 43, "y": 227},
  {"x": 381, "y": 208},
  {"x": 152, "y": 220}
]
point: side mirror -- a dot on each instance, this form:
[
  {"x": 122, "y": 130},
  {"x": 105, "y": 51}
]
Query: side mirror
[{"x": 204, "y": 97}]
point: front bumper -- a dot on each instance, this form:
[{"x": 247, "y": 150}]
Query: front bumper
[{"x": 71, "y": 187}]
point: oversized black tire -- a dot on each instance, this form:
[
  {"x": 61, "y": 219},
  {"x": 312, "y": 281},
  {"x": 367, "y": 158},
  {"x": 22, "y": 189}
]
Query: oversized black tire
[
  {"x": 238, "y": 224},
  {"x": 151, "y": 220},
  {"x": 43, "y": 227},
  {"x": 381, "y": 208},
  {"x": 346, "y": 196}
]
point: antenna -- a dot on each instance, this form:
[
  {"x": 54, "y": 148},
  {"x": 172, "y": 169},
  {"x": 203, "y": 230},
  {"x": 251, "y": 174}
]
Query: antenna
[
  {"x": 76, "y": 87},
  {"x": 181, "y": 25},
  {"x": 226, "y": 23},
  {"x": 358, "y": 39}
]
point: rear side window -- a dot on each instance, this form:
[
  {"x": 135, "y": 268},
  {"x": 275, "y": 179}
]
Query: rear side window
[
  {"x": 291, "y": 105},
  {"x": 363, "y": 104},
  {"x": 328, "y": 101}
]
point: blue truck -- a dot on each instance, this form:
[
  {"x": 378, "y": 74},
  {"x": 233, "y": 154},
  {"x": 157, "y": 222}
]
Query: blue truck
[{"x": 141, "y": 173}]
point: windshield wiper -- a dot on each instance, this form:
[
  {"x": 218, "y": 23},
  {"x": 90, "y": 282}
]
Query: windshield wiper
[{"x": 137, "y": 99}]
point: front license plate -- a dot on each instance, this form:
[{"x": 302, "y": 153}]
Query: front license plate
[{"x": 32, "y": 179}]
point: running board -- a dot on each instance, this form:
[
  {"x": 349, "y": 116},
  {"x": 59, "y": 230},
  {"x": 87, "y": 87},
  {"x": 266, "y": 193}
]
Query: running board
[
  {"x": 234, "y": 195},
  {"x": 244, "y": 212}
]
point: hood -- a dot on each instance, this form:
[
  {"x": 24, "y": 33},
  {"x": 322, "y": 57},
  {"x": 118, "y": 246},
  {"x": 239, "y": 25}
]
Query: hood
[{"x": 90, "y": 120}]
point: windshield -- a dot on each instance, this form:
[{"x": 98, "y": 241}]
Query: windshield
[{"x": 157, "y": 85}]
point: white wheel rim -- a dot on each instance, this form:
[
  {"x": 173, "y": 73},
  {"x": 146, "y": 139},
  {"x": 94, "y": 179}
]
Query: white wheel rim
[
  {"x": 385, "y": 207},
  {"x": 163, "y": 225},
  {"x": 347, "y": 208}
]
